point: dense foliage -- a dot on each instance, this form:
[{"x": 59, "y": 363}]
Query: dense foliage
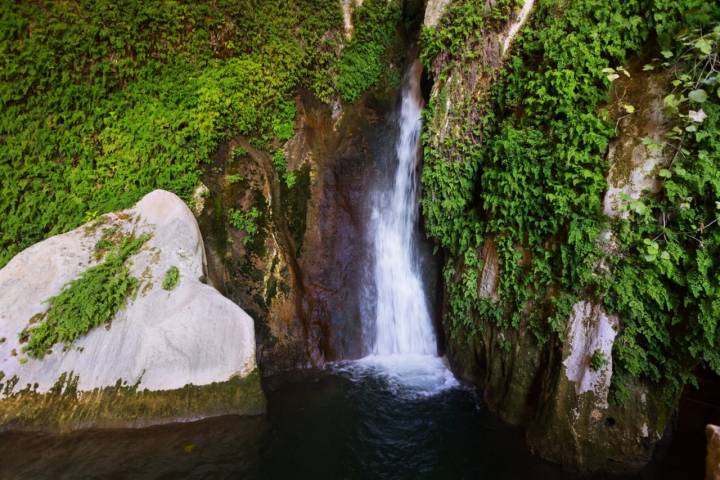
[
  {"x": 246, "y": 221},
  {"x": 364, "y": 59},
  {"x": 90, "y": 300},
  {"x": 101, "y": 102},
  {"x": 530, "y": 175}
]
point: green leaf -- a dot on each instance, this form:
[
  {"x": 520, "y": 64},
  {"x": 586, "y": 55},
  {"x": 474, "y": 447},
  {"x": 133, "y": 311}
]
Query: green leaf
[
  {"x": 665, "y": 173},
  {"x": 704, "y": 45},
  {"x": 698, "y": 96}
]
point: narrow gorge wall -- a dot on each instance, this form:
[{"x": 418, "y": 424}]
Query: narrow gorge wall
[
  {"x": 551, "y": 305},
  {"x": 303, "y": 273}
]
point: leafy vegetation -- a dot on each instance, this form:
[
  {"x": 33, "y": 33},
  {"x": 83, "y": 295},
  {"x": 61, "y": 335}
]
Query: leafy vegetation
[
  {"x": 246, "y": 221},
  {"x": 462, "y": 25},
  {"x": 363, "y": 60},
  {"x": 598, "y": 360},
  {"x": 171, "y": 278},
  {"x": 102, "y": 102},
  {"x": 672, "y": 240},
  {"x": 90, "y": 300},
  {"x": 529, "y": 175}
]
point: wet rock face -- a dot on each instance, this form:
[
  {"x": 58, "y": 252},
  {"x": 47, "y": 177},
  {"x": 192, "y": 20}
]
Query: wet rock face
[
  {"x": 575, "y": 424},
  {"x": 336, "y": 257},
  {"x": 302, "y": 277},
  {"x": 633, "y": 162},
  {"x": 712, "y": 464},
  {"x": 557, "y": 389},
  {"x": 161, "y": 341}
]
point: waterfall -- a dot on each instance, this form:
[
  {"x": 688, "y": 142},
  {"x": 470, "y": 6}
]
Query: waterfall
[
  {"x": 404, "y": 347},
  {"x": 403, "y": 324}
]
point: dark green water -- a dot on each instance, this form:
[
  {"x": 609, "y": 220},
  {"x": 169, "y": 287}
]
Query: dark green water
[{"x": 320, "y": 425}]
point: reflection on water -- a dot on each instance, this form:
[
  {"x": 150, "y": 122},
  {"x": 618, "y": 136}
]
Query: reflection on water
[{"x": 320, "y": 425}]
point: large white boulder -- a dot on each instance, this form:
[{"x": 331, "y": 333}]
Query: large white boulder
[{"x": 161, "y": 339}]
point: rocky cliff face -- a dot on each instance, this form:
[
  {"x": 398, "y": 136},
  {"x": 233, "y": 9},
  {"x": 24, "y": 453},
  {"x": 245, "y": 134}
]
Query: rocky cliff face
[
  {"x": 552, "y": 375},
  {"x": 176, "y": 349},
  {"x": 302, "y": 276}
]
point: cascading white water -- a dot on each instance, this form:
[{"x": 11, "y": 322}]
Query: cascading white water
[
  {"x": 403, "y": 324},
  {"x": 404, "y": 348}
]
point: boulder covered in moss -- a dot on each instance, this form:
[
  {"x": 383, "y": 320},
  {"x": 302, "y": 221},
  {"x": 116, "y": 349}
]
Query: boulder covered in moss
[{"x": 93, "y": 339}]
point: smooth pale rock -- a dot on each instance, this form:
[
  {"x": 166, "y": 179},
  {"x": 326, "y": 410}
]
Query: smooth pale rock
[
  {"x": 162, "y": 339},
  {"x": 590, "y": 330},
  {"x": 515, "y": 26},
  {"x": 490, "y": 276},
  {"x": 347, "y": 9},
  {"x": 434, "y": 10},
  {"x": 633, "y": 165},
  {"x": 712, "y": 463}
]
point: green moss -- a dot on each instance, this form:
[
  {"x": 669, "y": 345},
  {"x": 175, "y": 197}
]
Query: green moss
[
  {"x": 90, "y": 300},
  {"x": 171, "y": 278},
  {"x": 526, "y": 166},
  {"x": 362, "y": 63},
  {"x": 64, "y": 407},
  {"x": 294, "y": 203},
  {"x": 102, "y": 102}
]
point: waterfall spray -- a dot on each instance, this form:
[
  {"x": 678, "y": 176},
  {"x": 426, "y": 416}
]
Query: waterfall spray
[
  {"x": 404, "y": 347},
  {"x": 403, "y": 323}
]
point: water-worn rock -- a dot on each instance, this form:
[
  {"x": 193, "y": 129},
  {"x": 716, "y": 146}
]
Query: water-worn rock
[
  {"x": 556, "y": 387},
  {"x": 575, "y": 424},
  {"x": 434, "y": 10},
  {"x": 633, "y": 160},
  {"x": 712, "y": 462},
  {"x": 161, "y": 341}
]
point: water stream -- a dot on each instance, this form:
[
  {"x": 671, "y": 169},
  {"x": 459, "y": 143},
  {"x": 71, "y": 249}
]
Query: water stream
[
  {"x": 404, "y": 346},
  {"x": 403, "y": 323}
]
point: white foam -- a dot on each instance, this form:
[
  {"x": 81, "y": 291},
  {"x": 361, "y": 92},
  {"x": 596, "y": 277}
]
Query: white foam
[{"x": 407, "y": 375}]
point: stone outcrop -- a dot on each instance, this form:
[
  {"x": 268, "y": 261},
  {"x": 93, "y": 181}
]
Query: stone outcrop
[
  {"x": 712, "y": 463},
  {"x": 185, "y": 352},
  {"x": 575, "y": 424},
  {"x": 347, "y": 9},
  {"x": 303, "y": 274},
  {"x": 434, "y": 10},
  {"x": 557, "y": 389},
  {"x": 633, "y": 160}
]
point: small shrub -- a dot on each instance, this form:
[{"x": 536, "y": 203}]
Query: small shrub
[
  {"x": 238, "y": 152},
  {"x": 233, "y": 179},
  {"x": 598, "y": 360},
  {"x": 290, "y": 179},
  {"x": 246, "y": 222},
  {"x": 171, "y": 279},
  {"x": 90, "y": 300}
]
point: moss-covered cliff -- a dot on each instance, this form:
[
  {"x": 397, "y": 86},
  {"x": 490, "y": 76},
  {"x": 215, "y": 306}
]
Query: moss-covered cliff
[{"x": 581, "y": 322}]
